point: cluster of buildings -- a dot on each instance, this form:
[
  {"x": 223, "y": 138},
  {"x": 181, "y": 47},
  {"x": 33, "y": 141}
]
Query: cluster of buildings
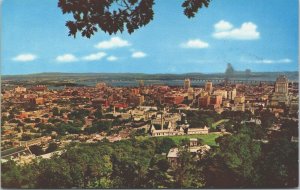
[
  {"x": 155, "y": 108},
  {"x": 242, "y": 97}
]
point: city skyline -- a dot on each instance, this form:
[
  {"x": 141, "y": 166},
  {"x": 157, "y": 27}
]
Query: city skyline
[{"x": 258, "y": 39}]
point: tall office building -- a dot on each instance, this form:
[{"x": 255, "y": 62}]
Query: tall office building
[
  {"x": 216, "y": 100},
  {"x": 191, "y": 94},
  {"x": 222, "y": 93},
  {"x": 281, "y": 85},
  {"x": 208, "y": 87},
  {"x": 232, "y": 94},
  {"x": 141, "y": 83},
  {"x": 187, "y": 83},
  {"x": 280, "y": 95}
]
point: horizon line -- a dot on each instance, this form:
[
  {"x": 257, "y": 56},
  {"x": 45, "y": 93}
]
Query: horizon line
[{"x": 206, "y": 73}]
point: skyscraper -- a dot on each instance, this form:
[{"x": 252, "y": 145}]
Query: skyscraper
[
  {"x": 191, "y": 94},
  {"x": 232, "y": 94},
  {"x": 187, "y": 83},
  {"x": 281, "y": 85},
  {"x": 141, "y": 83},
  {"x": 280, "y": 95},
  {"x": 208, "y": 87}
]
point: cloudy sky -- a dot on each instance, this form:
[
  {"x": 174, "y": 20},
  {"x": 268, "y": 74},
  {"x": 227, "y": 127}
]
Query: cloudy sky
[{"x": 261, "y": 35}]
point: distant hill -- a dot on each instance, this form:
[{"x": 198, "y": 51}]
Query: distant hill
[{"x": 292, "y": 75}]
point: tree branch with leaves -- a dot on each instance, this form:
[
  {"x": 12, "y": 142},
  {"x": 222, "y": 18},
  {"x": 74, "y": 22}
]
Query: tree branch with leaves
[{"x": 113, "y": 16}]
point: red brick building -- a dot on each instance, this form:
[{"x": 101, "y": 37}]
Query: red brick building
[
  {"x": 173, "y": 99},
  {"x": 204, "y": 101}
]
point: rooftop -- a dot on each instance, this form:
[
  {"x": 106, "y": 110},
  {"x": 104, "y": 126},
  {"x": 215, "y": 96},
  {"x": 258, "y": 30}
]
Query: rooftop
[{"x": 173, "y": 153}]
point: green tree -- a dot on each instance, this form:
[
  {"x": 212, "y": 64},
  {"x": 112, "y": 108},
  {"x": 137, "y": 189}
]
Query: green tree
[
  {"x": 183, "y": 169},
  {"x": 26, "y": 137},
  {"x": 158, "y": 175},
  {"x": 36, "y": 149},
  {"x": 51, "y": 147},
  {"x": 11, "y": 176},
  {"x": 216, "y": 173},
  {"x": 99, "y": 126},
  {"x": 279, "y": 164},
  {"x": 268, "y": 119},
  {"x": 240, "y": 153},
  {"x": 55, "y": 111},
  {"x": 98, "y": 113},
  {"x": 54, "y": 173},
  {"x": 165, "y": 144},
  {"x": 115, "y": 15}
]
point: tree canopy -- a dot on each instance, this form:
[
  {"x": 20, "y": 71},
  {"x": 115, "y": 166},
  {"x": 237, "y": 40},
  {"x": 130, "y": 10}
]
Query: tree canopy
[{"x": 114, "y": 16}]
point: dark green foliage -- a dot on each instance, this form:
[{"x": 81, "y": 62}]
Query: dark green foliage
[
  {"x": 237, "y": 116},
  {"x": 202, "y": 118},
  {"x": 60, "y": 128},
  {"x": 268, "y": 119},
  {"x": 240, "y": 154},
  {"x": 164, "y": 145},
  {"x": 99, "y": 126},
  {"x": 191, "y": 7},
  {"x": 56, "y": 112},
  {"x": 54, "y": 173},
  {"x": 240, "y": 161},
  {"x": 28, "y": 120},
  {"x": 139, "y": 132},
  {"x": 216, "y": 173},
  {"x": 26, "y": 137},
  {"x": 79, "y": 114},
  {"x": 51, "y": 148},
  {"x": 183, "y": 170},
  {"x": 279, "y": 164},
  {"x": 10, "y": 175},
  {"x": 114, "y": 16},
  {"x": 158, "y": 175},
  {"x": 98, "y": 113},
  {"x": 131, "y": 161},
  {"x": 290, "y": 128},
  {"x": 36, "y": 150}
]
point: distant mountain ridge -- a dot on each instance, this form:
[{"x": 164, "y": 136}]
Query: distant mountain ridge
[{"x": 292, "y": 75}]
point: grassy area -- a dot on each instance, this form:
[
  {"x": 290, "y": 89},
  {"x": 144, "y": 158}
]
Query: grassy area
[{"x": 208, "y": 139}]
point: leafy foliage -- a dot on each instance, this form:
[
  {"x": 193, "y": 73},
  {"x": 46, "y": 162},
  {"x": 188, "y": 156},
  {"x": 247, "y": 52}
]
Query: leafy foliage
[
  {"x": 191, "y": 7},
  {"x": 36, "y": 149},
  {"x": 239, "y": 161},
  {"x": 114, "y": 16}
]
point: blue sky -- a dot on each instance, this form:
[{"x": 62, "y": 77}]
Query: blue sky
[{"x": 261, "y": 35}]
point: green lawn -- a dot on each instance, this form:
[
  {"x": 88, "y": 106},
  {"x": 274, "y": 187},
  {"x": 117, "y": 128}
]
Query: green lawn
[{"x": 208, "y": 139}]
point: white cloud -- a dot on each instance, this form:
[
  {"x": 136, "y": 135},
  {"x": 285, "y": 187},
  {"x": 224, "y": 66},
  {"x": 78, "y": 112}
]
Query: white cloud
[
  {"x": 1, "y": 2},
  {"x": 270, "y": 61},
  {"x": 114, "y": 42},
  {"x": 94, "y": 57},
  {"x": 138, "y": 54},
  {"x": 286, "y": 60},
  {"x": 224, "y": 30},
  {"x": 196, "y": 43},
  {"x": 223, "y": 25},
  {"x": 112, "y": 58},
  {"x": 267, "y": 61},
  {"x": 66, "y": 58},
  {"x": 25, "y": 57}
]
